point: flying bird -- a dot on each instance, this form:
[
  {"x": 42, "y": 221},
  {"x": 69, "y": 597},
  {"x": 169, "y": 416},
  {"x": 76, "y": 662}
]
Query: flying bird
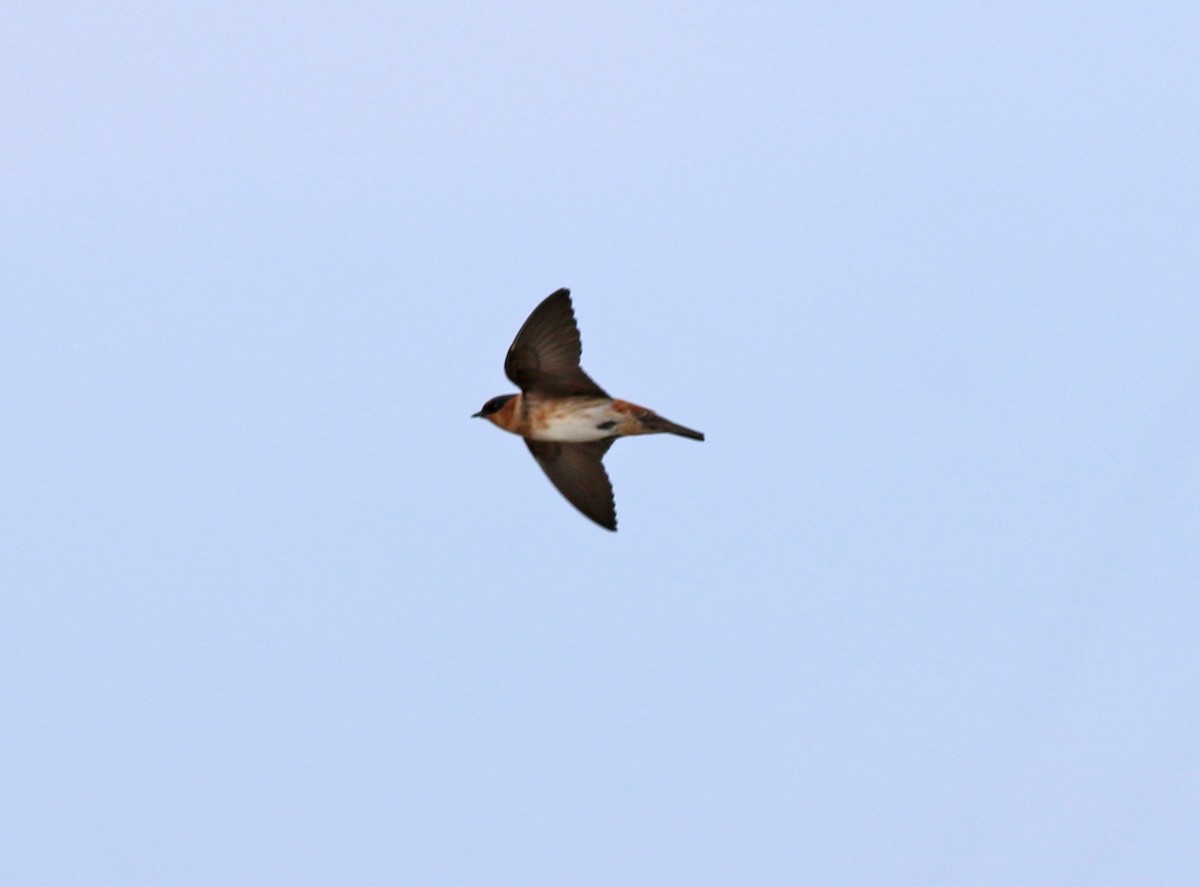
[{"x": 567, "y": 420}]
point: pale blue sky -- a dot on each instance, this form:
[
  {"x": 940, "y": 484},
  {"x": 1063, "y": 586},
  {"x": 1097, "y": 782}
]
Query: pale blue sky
[{"x": 922, "y": 610}]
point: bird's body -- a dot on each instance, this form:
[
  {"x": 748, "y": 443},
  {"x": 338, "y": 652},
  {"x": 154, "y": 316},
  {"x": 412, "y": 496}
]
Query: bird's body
[
  {"x": 567, "y": 420},
  {"x": 580, "y": 419}
]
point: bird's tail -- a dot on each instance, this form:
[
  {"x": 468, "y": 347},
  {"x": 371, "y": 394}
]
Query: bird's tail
[{"x": 655, "y": 423}]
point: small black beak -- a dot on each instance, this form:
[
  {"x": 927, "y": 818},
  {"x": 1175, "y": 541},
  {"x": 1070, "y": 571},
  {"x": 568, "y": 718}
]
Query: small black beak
[{"x": 478, "y": 415}]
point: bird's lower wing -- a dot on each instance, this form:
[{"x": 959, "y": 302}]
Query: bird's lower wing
[{"x": 577, "y": 471}]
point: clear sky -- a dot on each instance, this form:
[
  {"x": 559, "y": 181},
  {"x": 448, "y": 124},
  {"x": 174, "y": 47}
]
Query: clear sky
[{"x": 924, "y": 609}]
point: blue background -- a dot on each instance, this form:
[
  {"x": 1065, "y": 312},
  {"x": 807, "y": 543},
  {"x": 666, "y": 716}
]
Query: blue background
[{"x": 922, "y": 610}]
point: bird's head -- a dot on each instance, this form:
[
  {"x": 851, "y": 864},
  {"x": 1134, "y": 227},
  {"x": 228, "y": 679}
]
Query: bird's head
[{"x": 494, "y": 410}]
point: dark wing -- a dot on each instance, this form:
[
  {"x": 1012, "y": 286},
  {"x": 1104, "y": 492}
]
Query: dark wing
[
  {"x": 545, "y": 354},
  {"x": 576, "y": 470}
]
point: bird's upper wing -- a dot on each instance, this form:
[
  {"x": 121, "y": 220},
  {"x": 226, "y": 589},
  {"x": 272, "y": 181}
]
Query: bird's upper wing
[
  {"x": 576, "y": 470},
  {"x": 545, "y": 354}
]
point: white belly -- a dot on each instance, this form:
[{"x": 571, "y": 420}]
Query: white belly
[{"x": 578, "y": 424}]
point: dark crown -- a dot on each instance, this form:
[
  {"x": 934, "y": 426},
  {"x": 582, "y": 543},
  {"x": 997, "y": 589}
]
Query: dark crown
[{"x": 495, "y": 404}]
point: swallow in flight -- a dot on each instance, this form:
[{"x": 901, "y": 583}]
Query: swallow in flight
[{"x": 567, "y": 420}]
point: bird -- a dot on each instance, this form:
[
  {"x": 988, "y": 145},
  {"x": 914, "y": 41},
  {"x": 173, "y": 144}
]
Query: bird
[{"x": 567, "y": 420}]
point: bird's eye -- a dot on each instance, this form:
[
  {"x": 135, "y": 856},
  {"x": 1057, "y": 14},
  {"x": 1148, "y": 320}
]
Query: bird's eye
[{"x": 495, "y": 404}]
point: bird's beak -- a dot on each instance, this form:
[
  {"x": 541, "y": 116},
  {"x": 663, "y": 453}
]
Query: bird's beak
[{"x": 477, "y": 415}]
